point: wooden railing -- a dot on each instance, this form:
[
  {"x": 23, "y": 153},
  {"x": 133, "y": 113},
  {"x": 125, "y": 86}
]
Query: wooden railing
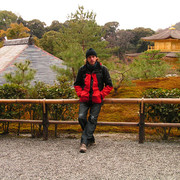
[{"x": 141, "y": 124}]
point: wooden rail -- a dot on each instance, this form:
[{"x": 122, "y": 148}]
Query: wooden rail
[{"x": 141, "y": 124}]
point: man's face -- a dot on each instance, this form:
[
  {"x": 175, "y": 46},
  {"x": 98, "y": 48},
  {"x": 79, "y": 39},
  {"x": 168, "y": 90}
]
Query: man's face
[{"x": 91, "y": 59}]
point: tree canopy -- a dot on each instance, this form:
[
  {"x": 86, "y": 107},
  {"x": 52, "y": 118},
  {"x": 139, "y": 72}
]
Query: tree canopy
[
  {"x": 17, "y": 31},
  {"x": 81, "y": 27},
  {"x": 37, "y": 27},
  {"x": 78, "y": 34},
  {"x": 6, "y": 18},
  {"x": 55, "y": 26}
]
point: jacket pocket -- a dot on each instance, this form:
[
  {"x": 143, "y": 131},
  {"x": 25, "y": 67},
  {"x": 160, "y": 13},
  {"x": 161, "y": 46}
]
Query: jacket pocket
[
  {"x": 84, "y": 97},
  {"x": 96, "y": 97}
]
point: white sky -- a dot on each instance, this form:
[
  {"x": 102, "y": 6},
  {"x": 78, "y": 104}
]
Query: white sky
[{"x": 154, "y": 14}]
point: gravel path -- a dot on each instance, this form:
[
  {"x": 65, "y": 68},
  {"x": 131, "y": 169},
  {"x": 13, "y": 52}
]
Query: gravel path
[{"x": 115, "y": 156}]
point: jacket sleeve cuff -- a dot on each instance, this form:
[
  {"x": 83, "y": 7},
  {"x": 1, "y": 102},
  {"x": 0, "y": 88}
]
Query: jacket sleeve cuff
[{"x": 102, "y": 95}]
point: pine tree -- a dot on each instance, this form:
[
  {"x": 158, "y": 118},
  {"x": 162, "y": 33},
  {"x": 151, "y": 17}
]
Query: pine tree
[
  {"x": 23, "y": 75},
  {"x": 78, "y": 34}
]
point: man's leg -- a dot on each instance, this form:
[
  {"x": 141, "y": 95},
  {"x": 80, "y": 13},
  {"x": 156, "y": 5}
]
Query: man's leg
[
  {"x": 83, "y": 110},
  {"x": 87, "y": 136}
]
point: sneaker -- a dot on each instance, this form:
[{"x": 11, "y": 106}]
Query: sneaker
[{"x": 83, "y": 148}]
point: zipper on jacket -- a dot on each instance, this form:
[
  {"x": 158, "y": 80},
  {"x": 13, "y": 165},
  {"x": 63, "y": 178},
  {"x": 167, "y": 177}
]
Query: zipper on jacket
[{"x": 91, "y": 89}]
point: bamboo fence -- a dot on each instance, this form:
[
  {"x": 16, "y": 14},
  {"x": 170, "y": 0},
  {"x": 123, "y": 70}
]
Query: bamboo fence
[{"x": 141, "y": 124}]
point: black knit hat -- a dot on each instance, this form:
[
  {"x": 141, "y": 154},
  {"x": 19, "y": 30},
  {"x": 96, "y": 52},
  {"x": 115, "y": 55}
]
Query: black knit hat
[{"x": 90, "y": 52}]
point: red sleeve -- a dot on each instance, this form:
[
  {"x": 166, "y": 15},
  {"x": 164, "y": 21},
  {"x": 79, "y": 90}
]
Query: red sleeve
[
  {"x": 108, "y": 83},
  {"x": 78, "y": 90},
  {"x": 78, "y": 83},
  {"x": 107, "y": 89}
]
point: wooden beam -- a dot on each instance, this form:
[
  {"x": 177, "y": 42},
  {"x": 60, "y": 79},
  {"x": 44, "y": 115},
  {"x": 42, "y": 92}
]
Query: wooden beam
[
  {"x": 106, "y": 101},
  {"x": 162, "y": 125},
  {"x": 21, "y": 121}
]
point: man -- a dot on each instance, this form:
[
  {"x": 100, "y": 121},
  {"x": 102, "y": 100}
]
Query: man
[{"x": 92, "y": 84}]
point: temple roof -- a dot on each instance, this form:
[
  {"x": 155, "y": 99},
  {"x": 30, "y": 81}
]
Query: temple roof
[
  {"x": 18, "y": 50},
  {"x": 21, "y": 41},
  {"x": 166, "y": 34}
]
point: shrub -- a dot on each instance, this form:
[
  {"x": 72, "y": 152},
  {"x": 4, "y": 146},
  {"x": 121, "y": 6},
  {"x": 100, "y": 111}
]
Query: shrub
[
  {"x": 166, "y": 113},
  {"x": 34, "y": 111},
  {"x": 62, "y": 90},
  {"x": 11, "y": 91}
]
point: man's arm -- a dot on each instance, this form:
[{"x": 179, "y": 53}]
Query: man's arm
[
  {"x": 78, "y": 84},
  {"x": 108, "y": 83}
]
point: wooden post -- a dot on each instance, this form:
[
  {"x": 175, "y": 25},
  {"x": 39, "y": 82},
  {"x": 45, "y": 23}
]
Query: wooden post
[
  {"x": 55, "y": 133},
  {"x": 141, "y": 123},
  {"x": 18, "y": 131},
  {"x": 56, "y": 124},
  {"x": 19, "y": 125},
  {"x": 45, "y": 120}
]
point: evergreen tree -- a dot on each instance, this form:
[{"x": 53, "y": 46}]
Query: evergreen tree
[
  {"x": 77, "y": 35},
  {"x": 22, "y": 76}
]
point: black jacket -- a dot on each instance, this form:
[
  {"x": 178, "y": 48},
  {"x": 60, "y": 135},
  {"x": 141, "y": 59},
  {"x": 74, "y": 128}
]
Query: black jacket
[{"x": 93, "y": 84}]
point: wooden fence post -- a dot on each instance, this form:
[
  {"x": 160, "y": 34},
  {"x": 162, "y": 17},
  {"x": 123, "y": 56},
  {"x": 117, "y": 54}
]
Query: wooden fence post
[
  {"x": 45, "y": 120},
  {"x": 141, "y": 123}
]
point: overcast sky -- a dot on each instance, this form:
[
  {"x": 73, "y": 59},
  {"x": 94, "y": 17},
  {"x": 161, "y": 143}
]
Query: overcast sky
[{"x": 154, "y": 14}]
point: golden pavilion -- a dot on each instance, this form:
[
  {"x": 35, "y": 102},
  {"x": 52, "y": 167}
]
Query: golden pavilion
[{"x": 167, "y": 41}]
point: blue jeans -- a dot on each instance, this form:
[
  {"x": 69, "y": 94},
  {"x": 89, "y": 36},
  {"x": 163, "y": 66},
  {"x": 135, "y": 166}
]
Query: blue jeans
[{"x": 88, "y": 126}]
